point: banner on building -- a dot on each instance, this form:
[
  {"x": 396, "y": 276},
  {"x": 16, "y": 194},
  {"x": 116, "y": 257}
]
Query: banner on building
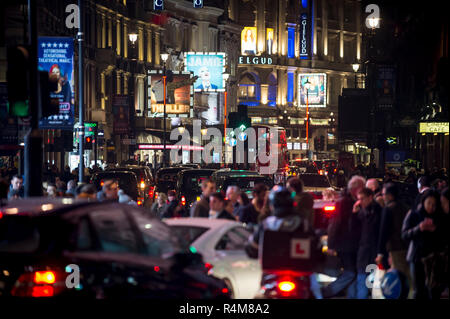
[
  {"x": 179, "y": 94},
  {"x": 385, "y": 86},
  {"x": 209, "y": 67},
  {"x": 248, "y": 41},
  {"x": 55, "y": 55},
  {"x": 316, "y": 95},
  {"x": 269, "y": 39},
  {"x": 120, "y": 108}
]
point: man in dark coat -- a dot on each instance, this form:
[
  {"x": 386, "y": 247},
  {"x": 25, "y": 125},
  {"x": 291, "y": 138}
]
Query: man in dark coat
[
  {"x": 343, "y": 239},
  {"x": 390, "y": 239},
  {"x": 249, "y": 214},
  {"x": 201, "y": 207},
  {"x": 217, "y": 207},
  {"x": 368, "y": 212}
]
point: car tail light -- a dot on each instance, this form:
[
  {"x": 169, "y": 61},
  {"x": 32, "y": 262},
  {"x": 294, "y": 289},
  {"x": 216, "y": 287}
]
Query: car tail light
[
  {"x": 151, "y": 191},
  {"x": 44, "y": 277},
  {"x": 321, "y": 171},
  {"x": 286, "y": 286},
  {"x": 156, "y": 196},
  {"x": 46, "y": 283},
  {"x": 140, "y": 201},
  {"x": 225, "y": 290},
  {"x": 329, "y": 208},
  {"x": 208, "y": 266},
  {"x": 102, "y": 182},
  {"x": 142, "y": 184},
  {"x": 183, "y": 200}
]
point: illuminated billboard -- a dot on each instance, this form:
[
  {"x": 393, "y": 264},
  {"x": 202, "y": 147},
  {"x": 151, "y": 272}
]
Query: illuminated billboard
[
  {"x": 269, "y": 39},
  {"x": 316, "y": 96},
  {"x": 248, "y": 41},
  {"x": 433, "y": 127},
  {"x": 179, "y": 94},
  {"x": 209, "y": 67}
]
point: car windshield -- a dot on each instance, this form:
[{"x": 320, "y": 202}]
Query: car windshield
[
  {"x": 165, "y": 186},
  {"x": 18, "y": 234},
  {"x": 168, "y": 174},
  {"x": 188, "y": 234},
  {"x": 314, "y": 180},
  {"x": 127, "y": 182},
  {"x": 246, "y": 183},
  {"x": 193, "y": 183}
]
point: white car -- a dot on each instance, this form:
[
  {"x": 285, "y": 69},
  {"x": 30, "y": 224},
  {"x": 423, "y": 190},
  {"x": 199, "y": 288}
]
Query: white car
[{"x": 222, "y": 242}]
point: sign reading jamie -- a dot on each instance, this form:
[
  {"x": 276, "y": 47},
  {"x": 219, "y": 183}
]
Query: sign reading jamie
[
  {"x": 209, "y": 67},
  {"x": 55, "y": 55},
  {"x": 316, "y": 95},
  {"x": 254, "y": 60}
]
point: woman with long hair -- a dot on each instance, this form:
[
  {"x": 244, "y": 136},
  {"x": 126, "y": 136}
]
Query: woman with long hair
[{"x": 424, "y": 228}]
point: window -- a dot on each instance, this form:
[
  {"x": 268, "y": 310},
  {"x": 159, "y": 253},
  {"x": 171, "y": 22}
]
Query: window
[
  {"x": 114, "y": 231},
  {"x": 188, "y": 234},
  {"x": 290, "y": 88},
  {"x": 247, "y": 91},
  {"x": 291, "y": 43},
  {"x": 235, "y": 239},
  {"x": 84, "y": 239},
  {"x": 158, "y": 239},
  {"x": 272, "y": 91}
]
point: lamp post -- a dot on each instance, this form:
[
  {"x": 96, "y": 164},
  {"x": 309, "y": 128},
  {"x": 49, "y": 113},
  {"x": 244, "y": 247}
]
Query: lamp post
[
  {"x": 225, "y": 77},
  {"x": 164, "y": 57},
  {"x": 307, "y": 86},
  {"x": 355, "y": 67}
]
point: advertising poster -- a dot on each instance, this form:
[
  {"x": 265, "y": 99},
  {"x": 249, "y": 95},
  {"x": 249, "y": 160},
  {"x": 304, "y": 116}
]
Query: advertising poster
[
  {"x": 120, "y": 107},
  {"x": 55, "y": 55},
  {"x": 317, "y": 93},
  {"x": 209, "y": 67},
  {"x": 178, "y": 94},
  {"x": 385, "y": 86},
  {"x": 269, "y": 39},
  {"x": 248, "y": 41}
]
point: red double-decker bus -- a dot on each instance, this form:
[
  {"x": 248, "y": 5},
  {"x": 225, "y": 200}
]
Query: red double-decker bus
[{"x": 281, "y": 145}]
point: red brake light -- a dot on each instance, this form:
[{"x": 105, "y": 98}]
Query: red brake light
[
  {"x": 286, "y": 286},
  {"x": 102, "y": 183},
  {"x": 156, "y": 268},
  {"x": 329, "y": 208},
  {"x": 225, "y": 290},
  {"x": 140, "y": 201},
  {"x": 151, "y": 191},
  {"x": 208, "y": 266},
  {"x": 183, "y": 200},
  {"x": 44, "y": 277},
  {"x": 42, "y": 291}
]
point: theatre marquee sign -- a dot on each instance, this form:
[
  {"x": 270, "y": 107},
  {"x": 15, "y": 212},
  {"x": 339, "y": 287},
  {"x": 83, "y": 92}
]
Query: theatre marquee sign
[{"x": 243, "y": 59}]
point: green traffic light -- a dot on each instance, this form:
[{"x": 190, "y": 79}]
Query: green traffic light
[{"x": 19, "y": 108}]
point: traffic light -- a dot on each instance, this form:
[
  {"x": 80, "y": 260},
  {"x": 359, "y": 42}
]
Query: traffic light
[
  {"x": 322, "y": 143},
  {"x": 88, "y": 140},
  {"x": 244, "y": 121},
  {"x": 18, "y": 78}
]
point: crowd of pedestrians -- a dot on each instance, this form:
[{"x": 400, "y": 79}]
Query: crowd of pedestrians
[{"x": 376, "y": 222}]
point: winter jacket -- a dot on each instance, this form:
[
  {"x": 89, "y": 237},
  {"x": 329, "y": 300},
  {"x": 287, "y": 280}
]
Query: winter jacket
[
  {"x": 370, "y": 218},
  {"x": 423, "y": 243},
  {"x": 391, "y": 228},
  {"x": 344, "y": 229}
]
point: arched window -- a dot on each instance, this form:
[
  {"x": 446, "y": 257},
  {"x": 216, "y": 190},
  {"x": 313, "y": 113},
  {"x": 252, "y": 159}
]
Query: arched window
[{"x": 249, "y": 89}]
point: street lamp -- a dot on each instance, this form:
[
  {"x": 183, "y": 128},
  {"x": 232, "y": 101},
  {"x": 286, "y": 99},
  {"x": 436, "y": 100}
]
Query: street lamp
[
  {"x": 226, "y": 76},
  {"x": 355, "y": 67},
  {"x": 133, "y": 37},
  {"x": 307, "y": 86},
  {"x": 164, "y": 57}
]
